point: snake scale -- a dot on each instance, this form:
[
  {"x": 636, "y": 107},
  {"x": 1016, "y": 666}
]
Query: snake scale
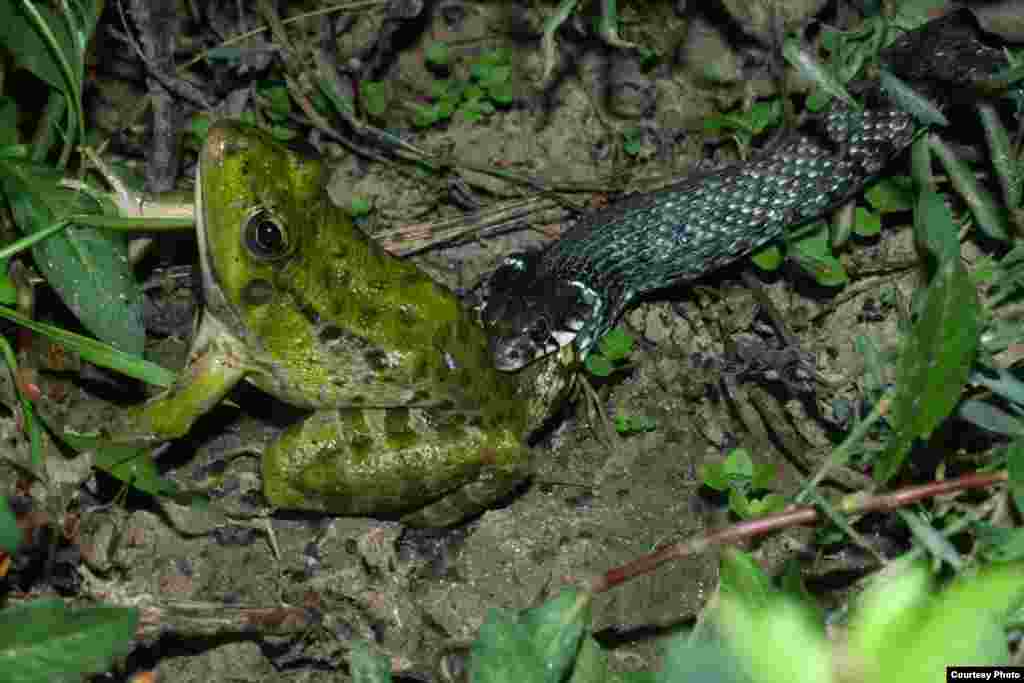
[{"x": 575, "y": 289}]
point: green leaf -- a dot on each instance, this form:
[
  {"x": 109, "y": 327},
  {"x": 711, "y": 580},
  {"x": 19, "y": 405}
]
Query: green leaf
[
  {"x": 536, "y": 645},
  {"x": 470, "y": 114},
  {"x": 8, "y": 122},
  {"x": 134, "y": 465},
  {"x": 198, "y": 125},
  {"x": 97, "y": 352},
  {"x": 87, "y": 267},
  {"x": 814, "y": 256},
  {"x": 277, "y": 99},
  {"x": 438, "y": 53},
  {"x": 890, "y": 609},
  {"x": 1008, "y": 282},
  {"x": 817, "y": 101},
  {"x": 634, "y": 424},
  {"x": 367, "y": 667},
  {"x": 866, "y": 223},
  {"x": 934, "y": 364},
  {"x": 438, "y": 89},
  {"x": 891, "y": 193},
  {"x": 501, "y": 93},
  {"x": 764, "y": 115},
  {"x": 713, "y": 475},
  {"x": 904, "y": 634},
  {"x": 374, "y": 97},
  {"x": 770, "y": 504},
  {"x": 690, "y": 662},
  {"x": 21, "y": 38},
  {"x": 934, "y": 228},
  {"x": 1001, "y": 544},
  {"x": 454, "y": 90},
  {"x": 481, "y": 71},
  {"x": 591, "y": 666},
  {"x": 497, "y": 56},
  {"x": 764, "y": 475},
  {"x": 423, "y": 116},
  {"x": 598, "y": 366},
  {"x": 327, "y": 98},
  {"x": 812, "y": 69},
  {"x": 44, "y": 642},
  {"x": 8, "y": 290},
  {"x": 991, "y": 218},
  {"x": 283, "y": 133},
  {"x": 927, "y": 536},
  {"x": 495, "y": 76},
  {"x": 990, "y": 417},
  {"x": 738, "y": 502},
  {"x": 444, "y": 109},
  {"x": 923, "y": 109},
  {"x": 359, "y": 206},
  {"x": 1008, "y": 168},
  {"x": 649, "y": 58},
  {"x": 742, "y": 577},
  {"x": 739, "y": 466},
  {"x": 644, "y": 423},
  {"x": 617, "y": 344},
  {"x": 1015, "y": 470},
  {"x": 10, "y": 534},
  {"x": 874, "y": 366},
  {"x": 768, "y": 259},
  {"x": 779, "y": 641}
]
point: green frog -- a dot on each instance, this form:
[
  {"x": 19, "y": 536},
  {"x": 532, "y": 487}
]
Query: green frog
[{"x": 409, "y": 417}]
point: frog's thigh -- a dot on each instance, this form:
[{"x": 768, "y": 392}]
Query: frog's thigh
[{"x": 365, "y": 462}]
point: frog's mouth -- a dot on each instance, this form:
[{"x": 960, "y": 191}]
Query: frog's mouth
[
  {"x": 211, "y": 286},
  {"x": 217, "y": 314}
]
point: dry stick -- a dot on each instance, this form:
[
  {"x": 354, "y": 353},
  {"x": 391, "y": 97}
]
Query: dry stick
[
  {"x": 212, "y": 619},
  {"x": 856, "y": 503},
  {"x": 416, "y": 237}
]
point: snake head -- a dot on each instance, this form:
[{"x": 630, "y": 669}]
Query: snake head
[{"x": 527, "y": 313}]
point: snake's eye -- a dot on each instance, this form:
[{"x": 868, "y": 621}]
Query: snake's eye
[{"x": 265, "y": 236}]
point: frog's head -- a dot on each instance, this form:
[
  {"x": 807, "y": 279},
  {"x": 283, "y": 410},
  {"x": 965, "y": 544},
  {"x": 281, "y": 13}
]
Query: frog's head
[
  {"x": 249, "y": 198},
  {"x": 324, "y": 314},
  {"x": 276, "y": 258}
]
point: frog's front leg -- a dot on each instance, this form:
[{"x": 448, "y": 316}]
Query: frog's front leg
[
  {"x": 434, "y": 467},
  {"x": 214, "y": 367}
]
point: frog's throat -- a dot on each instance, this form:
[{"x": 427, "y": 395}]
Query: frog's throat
[{"x": 215, "y": 304}]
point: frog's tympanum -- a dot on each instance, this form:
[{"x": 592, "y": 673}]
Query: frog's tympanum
[{"x": 409, "y": 416}]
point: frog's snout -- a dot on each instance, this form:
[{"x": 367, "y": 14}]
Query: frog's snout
[
  {"x": 224, "y": 139},
  {"x": 216, "y": 144}
]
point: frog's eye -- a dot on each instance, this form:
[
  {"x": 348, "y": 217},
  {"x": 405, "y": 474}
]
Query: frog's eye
[{"x": 265, "y": 236}]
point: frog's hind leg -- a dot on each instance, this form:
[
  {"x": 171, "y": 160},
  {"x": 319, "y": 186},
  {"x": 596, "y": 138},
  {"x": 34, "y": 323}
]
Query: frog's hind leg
[{"x": 430, "y": 467}]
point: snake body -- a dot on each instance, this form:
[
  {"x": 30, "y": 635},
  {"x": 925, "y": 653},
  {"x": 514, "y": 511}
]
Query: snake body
[{"x": 576, "y": 288}]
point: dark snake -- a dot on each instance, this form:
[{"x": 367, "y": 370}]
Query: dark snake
[{"x": 575, "y": 289}]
